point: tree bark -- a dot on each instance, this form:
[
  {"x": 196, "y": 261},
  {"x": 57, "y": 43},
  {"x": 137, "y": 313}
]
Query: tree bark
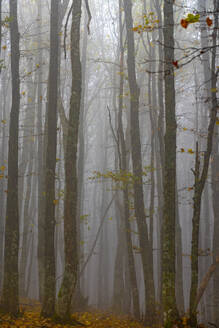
[
  {"x": 146, "y": 251},
  {"x": 200, "y": 177},
  {"x": 10, "y": 297},
  {"x": 71, "y": 189},
  {"x": 169, "y": 181},
  {"x": 48, "y": 306}
]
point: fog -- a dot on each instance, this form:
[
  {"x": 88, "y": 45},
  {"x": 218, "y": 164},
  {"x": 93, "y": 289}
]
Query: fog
[{"x": 109, "y": 158}]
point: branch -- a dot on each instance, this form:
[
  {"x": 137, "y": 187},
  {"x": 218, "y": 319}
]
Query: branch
[
  {"x": 205, "y": 282},
  {"x": 89, "y": 16},
  {"x": 97, "y": 235},
  {"x": 66, "y": 26},
  {"x": 114, "y": 135}
]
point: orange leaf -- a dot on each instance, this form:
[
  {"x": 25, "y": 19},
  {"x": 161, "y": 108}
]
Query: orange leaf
[
  {"x": 209, "y": 21},
  {"x": 184, "y": 23}
]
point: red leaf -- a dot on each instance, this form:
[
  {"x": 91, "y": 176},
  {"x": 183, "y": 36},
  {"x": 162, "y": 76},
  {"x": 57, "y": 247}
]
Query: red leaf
[
  {"x": 209, "y": 21},
  {"x": 184, "y": 23},
  {"x": 175, "y": 63}
]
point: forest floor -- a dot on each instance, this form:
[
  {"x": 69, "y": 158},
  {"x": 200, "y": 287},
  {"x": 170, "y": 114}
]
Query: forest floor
[{"x": 30, "y": 318}]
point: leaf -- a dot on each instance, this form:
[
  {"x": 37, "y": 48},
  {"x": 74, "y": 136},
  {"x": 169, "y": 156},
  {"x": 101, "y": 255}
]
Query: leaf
[
  {"x": 190, "y": 19},
  {"x": 184, "y": 23},
  {"x": 182, "y": 150},
  {"x": 209, "y": 21},
  {"x": 4, "y": 121},
  {"x": 193, "y": 18},
  {"x": 175, "y": 63},
  {"x": 55, "y": 201},
  {"x": 214, "y": 90},
  {"x": 2, "y": 168},
  {"x": 190, "y": 151}
]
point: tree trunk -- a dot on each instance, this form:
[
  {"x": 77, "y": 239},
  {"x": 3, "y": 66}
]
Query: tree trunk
[
  {"x": 48, "y": 306},
  {"x": 146, "y": 251},
  {"x": 169, "y": 183},
  {"x": 71, "y": 190},
  {"x": 40, "y": 162},
  {"x": 200, "y": 177},
  {"x": 10, "y": 297}
]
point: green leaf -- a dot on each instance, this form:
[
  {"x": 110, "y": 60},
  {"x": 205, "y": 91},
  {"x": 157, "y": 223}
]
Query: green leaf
[{"x": 193, "y": 18}]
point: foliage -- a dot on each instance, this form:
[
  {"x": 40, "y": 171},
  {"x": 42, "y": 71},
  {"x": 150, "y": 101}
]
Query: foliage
[
  {"x": 191, "y": 19},
  {"x": 150, "y": 22},
  {"x": 122, "y": 176},
  {"x": 86, "y": 319}
]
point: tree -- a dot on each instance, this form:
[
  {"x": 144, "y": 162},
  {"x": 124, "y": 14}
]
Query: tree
[
  {"x": 200, "y": 175},
  {"x": 10, "y": 296},
  {"x": 123, "y": 167},
  {"x": 48, "y": 307},
  {"x": 146, "y": 251},
  {"x": 71, "y": 191},
  {"x": 169, "y": 180}
]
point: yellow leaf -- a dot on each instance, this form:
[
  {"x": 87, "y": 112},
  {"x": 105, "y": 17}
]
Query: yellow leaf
[
  {"x": 23, "y": 93},
  {"x": 190, "y": 151},
  {"x": 1, "y": 176},
  {"x": 4, "y": 47},
  {"x": 184, "y": 129},
  {"x": 182, "y": 150},
  {"x": 55, "y": 201},
  {"x": 4, "y": 121},
  {"x": 29, "y": 99},
  {"x": 213, "y": 89},
  {"x": 2, "y": 168}
]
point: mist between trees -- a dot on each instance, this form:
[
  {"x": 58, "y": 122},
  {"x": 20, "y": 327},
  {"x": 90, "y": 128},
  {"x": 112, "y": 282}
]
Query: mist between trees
[{"x": 109, "y": 165}]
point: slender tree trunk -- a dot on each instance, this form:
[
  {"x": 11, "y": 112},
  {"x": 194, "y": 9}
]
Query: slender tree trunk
[
  {"x": 146, "y": 251},
  {"x": 40, "y": 161},
  {"x": 179, "y": 263},
  {"x": 215, "y": 194},
  {"x": 48, "y": 306},
  {"x": 200, "y": 177},
  {"x": 71, "y": 191},
  {"x": 10, "y": 297},
  {"x": 123, "y": 167},
  {"x": 3, "y": 184}
]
